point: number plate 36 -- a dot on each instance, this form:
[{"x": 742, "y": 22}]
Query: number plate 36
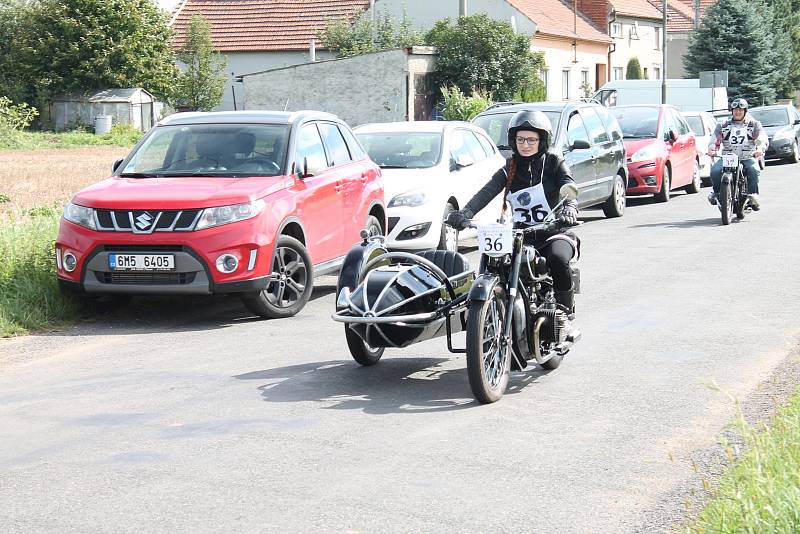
[{"x": 495, "y": 239}]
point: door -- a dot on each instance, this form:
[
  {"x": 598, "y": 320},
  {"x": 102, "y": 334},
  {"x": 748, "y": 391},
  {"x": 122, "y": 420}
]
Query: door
[
  {"x": 352, "y": 175},
  {"x": 581, "y": 161},
  {"x": 683, "y": 150},
  {"x": 602, "y": 150},
  {"x": 319, "y": 197}
]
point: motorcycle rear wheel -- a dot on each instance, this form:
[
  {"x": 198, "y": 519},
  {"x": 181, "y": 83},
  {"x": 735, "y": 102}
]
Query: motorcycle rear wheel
[
  {"x": 488, "y": 356},
  {"x": 725, "y": 203}
]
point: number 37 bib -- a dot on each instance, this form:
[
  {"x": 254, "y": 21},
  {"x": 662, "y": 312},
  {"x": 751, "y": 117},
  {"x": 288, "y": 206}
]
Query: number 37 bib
[{"x": 529, "y": 205}]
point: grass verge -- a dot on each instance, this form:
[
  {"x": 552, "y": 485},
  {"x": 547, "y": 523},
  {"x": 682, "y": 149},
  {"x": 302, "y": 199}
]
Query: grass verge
[
  {"x": 760, "y": 492},
  {"x": 122, "y": 135},
  {"x": 29, "y": 294}
]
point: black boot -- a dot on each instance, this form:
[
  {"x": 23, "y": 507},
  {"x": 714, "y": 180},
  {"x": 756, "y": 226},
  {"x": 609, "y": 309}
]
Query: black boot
[{"x": 567, "y": 300}]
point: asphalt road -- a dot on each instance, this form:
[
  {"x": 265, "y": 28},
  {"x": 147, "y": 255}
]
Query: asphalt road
[{"x": 178, "y": 415}]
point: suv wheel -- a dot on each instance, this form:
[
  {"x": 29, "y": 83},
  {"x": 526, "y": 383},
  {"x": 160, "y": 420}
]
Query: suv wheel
[
  {"x": 291, "y": 282},
  {"x": 663, "y": 193},
  {"x": 694, "y": 187},
  {"x": 615, "y": 204}
]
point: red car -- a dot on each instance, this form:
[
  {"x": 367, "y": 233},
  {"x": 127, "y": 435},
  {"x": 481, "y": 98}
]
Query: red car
[
  {"x": 661, "y": 149},
  {"x": 248, "y": 202}
]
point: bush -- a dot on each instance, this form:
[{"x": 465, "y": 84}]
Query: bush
[
  {"x": 29, "y": 294},
  {"x": 533, "y": 91},
  {"x": 457, "y": 106},
  {"x": 634, "y": 69}
]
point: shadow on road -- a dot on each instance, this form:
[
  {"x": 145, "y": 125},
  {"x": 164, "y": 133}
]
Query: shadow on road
[
  {"x": 395, "y": 385},
  {"x": 686, "y": 223}
]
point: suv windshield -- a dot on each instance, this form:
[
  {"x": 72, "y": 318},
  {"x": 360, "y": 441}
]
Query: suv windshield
[
  {"x": 771, "y": 117},
  {"x": 637, "y": 122},
  {"x": 403, "y": 150},
  {"x": 496, "y": 125},
  {"x": 225, "y": 150}
]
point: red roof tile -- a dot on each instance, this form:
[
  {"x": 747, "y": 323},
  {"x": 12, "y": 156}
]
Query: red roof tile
[
  {"x": 636, "y": 8},
  {"x": 554, "y": 17},
  {"x": 263, "y": 25},
  {"x": 680, "y": 18}
]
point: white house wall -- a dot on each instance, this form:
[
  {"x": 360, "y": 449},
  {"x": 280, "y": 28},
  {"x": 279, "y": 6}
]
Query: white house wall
[
  {"x": 559, "y": 56},
  {"x": 368, "y": 88},
  {"x": 644, "y": 48}
]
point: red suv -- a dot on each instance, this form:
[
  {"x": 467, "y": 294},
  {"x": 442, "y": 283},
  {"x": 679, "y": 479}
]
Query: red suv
[{"x": 247, "y": 202}]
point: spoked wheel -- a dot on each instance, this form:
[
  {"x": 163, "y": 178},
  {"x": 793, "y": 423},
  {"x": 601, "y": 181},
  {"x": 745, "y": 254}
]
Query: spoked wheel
[
  {"x": 488, "y": 356},
  {"x": 726, "y": 202},
  {"x": 290, "y": 282},
  {"x": 359, "y": 350}
]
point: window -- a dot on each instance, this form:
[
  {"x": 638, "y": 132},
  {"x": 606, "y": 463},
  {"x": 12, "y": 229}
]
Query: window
[
  {"x": 565, "y": 84},
  {"x": 585, "y": 77},
  {"x": 644, "y": 73},
  {"x": 473, "y": 145},
  {"x": 635, "y": 30},
  {"x": 576, "y": 131},
  {"x": 309, "y": 146},
  {"x": 609, "y": 122},
  {"x": 597, "y": 131},
  {"x": 334, "y": 142},
  {"x": 657, "y": 73},
  {"x": 355, "y": 147},
  {"x": 657, "y": 43},
  {"x": 487, "y": 145},
  {"x": 618, "y": 73},
  {"x": 543, "y": 76},
  {"x": 463, "y": 144},
  {"x": 616, "y": 30}
]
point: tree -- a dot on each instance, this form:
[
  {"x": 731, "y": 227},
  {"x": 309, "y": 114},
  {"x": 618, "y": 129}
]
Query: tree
[
  {"x": 735, "y": 35},
  {"x": 634, "y": 69},
  {"x": 787, "y": 16},
  {"x": 480, "y": 53},
  {"x": 80, "y": 45},
  {"x": 346, "y": 39},
  {"x": 10, "y": 82},
  {"x": 201, "y": 85}
]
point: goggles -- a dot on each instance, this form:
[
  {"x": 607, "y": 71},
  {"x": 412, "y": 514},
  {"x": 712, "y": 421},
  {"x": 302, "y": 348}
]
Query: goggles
[{"x": 739, "y": 104}]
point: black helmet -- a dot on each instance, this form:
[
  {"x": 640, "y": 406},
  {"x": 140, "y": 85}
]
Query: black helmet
[
  {"x": 535, "y": 121},
  {"x": 739, "y": 103}
]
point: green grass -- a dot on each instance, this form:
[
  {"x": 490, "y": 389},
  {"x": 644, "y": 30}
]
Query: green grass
[
  {"x": 760, "y": 492},
  {"x": 29, "y": 296},
  {"x": 120, "y": 135}
]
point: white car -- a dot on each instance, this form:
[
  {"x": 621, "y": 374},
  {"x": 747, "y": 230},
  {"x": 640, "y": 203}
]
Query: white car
[
  {"x": 429, "y": 169},
  {"x": 702, "y": 124}
]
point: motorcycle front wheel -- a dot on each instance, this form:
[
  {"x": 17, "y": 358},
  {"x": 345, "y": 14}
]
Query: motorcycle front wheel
[
  {"x": 488, "y": 356},
  {"x": 725, "y": 202}
]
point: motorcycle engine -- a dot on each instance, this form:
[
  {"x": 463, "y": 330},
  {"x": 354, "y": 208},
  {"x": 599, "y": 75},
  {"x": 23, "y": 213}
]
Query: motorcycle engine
[{"x": 554, "y": 326}]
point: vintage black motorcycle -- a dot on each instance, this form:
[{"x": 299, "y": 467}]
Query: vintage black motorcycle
[
  {"x": 732, "y": 196},
  {"x": 509, "y": 312}
]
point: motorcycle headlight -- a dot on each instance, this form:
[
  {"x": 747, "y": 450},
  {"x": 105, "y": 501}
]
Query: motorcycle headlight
[
  {"x": 648, "y": 152},
  {"x": 783, "y": 134},
  {"x": 81, "y": 215},
  {"x": 410, "y": 199},
  {"x": 229, "y": 214}
]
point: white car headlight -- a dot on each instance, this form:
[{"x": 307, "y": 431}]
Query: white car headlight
[
  {"x": 410, "y": 199},
  {"x": 80, "y": 215},
  {"x": 229, "y": 214},
  {"x": 648, "y": 152},
  {"x": 783, "y": 134}
]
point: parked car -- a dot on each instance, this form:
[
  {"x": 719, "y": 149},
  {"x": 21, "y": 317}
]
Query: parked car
[
  {"x": 662, "y": 150},
  {"x": 250, "y": 202},
  {"x": 590, "y": 139},
  {"x": 430, "y": 169},
  {"x": 702, "y": 124},
  {"x": 782, "y": 124}
]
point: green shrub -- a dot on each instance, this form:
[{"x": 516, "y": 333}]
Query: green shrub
[
  {"x": 29, "y": 294},
  {"x": 457, "y": 106}
]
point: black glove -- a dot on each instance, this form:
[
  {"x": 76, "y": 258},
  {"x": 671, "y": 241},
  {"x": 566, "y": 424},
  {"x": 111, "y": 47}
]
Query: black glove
[
  {"x": 459, "y": 219},
  {"x": 568, "y": 215}
]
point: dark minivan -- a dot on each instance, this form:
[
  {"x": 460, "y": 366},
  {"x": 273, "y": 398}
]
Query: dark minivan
[{"x": 587, "y": 135}]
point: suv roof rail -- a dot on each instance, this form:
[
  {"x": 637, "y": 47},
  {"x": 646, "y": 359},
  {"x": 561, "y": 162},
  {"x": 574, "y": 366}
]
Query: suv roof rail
[{"x": 501, "y": 104}]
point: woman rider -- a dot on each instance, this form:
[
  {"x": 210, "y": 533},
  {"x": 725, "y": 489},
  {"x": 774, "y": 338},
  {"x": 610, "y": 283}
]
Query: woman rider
[{"x": 532, "y": 177}]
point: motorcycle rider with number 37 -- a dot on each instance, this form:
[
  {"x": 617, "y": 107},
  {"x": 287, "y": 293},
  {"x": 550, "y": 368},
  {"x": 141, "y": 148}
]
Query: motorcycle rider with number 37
[
  {"x": 530, "y": 181},
  {"x": 744, "y": 136}
]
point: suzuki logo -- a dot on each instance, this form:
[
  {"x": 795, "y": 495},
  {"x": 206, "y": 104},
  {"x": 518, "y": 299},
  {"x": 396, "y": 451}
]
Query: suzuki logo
[{"x": 144, "y": 221}]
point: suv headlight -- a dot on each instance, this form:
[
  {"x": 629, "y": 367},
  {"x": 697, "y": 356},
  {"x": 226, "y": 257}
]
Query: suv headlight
[
  {"x": 229, "y": 214},
  {"x": 783, "y": 134},
  {"x": 410, "y": 199},
  {"x": 648, "y": 152},
  {"x": 80, "y": 215}
]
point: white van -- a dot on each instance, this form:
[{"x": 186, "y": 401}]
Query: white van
[{"x": 686, "y": 95}]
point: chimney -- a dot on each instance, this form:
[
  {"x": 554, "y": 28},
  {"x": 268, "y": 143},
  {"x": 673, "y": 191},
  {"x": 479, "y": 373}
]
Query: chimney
[{"x": 596, "y": 11}]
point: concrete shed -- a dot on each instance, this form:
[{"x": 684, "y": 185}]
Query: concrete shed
[
  {"x": 134, "y": 106},
  {"x": 387, "y": 86}
]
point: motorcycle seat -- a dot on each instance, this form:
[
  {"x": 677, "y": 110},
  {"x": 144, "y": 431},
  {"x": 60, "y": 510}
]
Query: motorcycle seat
[{"x": 451, "y": 262}]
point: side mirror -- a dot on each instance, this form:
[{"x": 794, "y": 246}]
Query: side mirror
[
  {"x": 673, "y": 136},
  {"x": 797, "y": 121},
  {"x": 116, "y": 165},
  {"x": 568, "y": 191},
  {"x": 579, "y": 144},
  {"x": 464, "y": 161},
  {"x": 309, "y": 169}
]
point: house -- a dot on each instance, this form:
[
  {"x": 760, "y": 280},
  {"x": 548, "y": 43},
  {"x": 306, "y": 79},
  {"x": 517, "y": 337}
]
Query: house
[
  {"x": 683, "y": 18},
  {"x": 257, "y": 35},
  {"x": 575, "y": 48},
  {"x": 637, "y": 30}
]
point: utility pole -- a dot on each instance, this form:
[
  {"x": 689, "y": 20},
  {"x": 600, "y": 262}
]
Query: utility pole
[
  {"x": 664, "y": 51},
  {"x": 462, "y": 8}
]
